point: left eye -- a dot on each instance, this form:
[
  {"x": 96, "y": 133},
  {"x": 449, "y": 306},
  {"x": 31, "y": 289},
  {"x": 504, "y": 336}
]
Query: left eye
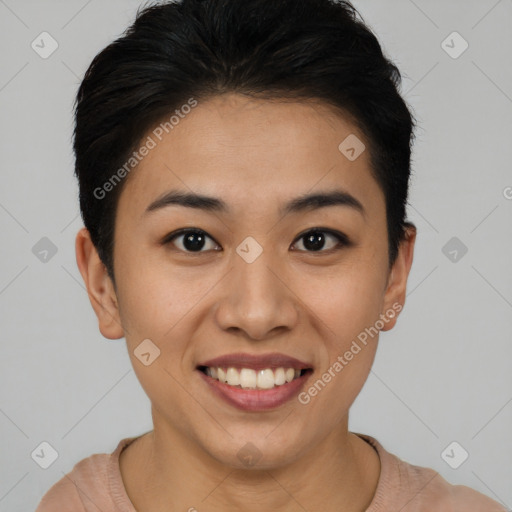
[{"x": 315, "y": 239}]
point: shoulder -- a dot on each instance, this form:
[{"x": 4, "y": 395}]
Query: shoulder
[
  {"x": 86, "y": 487},
  {"x": 410, "y": 488},
  {"x": 440, "y": 495},
  {"x": 64, "y": 491}
]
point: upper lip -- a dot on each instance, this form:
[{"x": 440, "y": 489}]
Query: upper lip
[{"x": 256, "y": 362}]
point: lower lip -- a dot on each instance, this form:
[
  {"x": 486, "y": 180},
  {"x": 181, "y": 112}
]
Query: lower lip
[{"x": 256, "y": 399}]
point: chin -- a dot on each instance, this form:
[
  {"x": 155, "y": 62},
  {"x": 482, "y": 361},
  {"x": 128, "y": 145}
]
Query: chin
[{"x": 258, "y": 448}]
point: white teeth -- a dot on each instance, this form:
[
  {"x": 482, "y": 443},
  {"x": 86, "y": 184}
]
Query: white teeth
[
  {"x": 248, "y": 378},
  {"x": 232, "y": 377},
  {"x": 266, "y": 379},
  {"x": 279, "y": 376}
]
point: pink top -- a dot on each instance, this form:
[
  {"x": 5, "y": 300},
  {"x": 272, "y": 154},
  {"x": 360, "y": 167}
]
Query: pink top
[{"x": 95, "y": 483}]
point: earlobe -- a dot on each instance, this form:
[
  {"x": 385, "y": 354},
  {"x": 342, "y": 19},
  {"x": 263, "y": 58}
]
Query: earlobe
[
  {"x": 394, "y": 298},
  {"x": 99, "y": 286}
]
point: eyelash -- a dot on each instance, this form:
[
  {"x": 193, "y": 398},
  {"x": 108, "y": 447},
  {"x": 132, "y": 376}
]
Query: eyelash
[{"x": 343, "y": 240}]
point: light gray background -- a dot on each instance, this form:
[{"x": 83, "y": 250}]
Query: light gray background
[{"x": 442, "y": 374}]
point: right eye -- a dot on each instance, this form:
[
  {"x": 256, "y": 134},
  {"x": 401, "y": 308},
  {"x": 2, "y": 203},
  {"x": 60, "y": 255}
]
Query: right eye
[{"x": 191, "y": 240}]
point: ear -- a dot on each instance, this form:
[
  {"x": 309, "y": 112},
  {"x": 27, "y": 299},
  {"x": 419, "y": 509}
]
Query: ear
[
  {"x": 100, "y": 288},
  {"x": 397, "y": 279}
]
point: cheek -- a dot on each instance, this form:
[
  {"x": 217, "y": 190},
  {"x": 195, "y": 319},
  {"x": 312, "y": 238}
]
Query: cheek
[
  {"x": 349, "y": 303},
  {"x": 153, "y": 294},
  {"x": 348, "y": 300},
  {"x": 349, "y": 307},
  {"x": 155, "y": 304}
]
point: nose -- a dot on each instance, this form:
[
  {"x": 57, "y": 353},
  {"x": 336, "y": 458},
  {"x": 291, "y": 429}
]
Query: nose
[{"x": 257, "y": 300}]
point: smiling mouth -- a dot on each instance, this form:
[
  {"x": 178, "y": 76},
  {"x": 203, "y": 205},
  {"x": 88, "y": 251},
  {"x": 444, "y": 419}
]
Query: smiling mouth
[{"x": 248, "y": 378}]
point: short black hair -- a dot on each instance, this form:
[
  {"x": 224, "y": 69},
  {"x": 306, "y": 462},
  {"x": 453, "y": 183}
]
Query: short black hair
[{"x": 271, "y": 49}]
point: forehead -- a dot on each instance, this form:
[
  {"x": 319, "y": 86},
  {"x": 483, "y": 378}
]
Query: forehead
[{"x": 251, "y": 152}]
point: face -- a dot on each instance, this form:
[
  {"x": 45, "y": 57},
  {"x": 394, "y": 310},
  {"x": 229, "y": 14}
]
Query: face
[{"x": 251, "y": 281}]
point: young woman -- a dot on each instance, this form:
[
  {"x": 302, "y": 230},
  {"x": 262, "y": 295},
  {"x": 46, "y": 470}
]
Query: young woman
[{"x": 243, "y": 170}]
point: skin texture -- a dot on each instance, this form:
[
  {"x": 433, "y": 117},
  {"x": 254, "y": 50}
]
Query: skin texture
[{"x": 255, "y": 155}]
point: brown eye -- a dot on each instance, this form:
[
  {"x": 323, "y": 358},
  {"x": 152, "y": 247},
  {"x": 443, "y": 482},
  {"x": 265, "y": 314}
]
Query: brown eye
[
  {"x": 321, "y": 240},
  {"x": 191, "y": 240}
]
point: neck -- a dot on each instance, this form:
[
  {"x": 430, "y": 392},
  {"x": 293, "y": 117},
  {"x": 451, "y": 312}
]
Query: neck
[{"x": 166, "y": 470}]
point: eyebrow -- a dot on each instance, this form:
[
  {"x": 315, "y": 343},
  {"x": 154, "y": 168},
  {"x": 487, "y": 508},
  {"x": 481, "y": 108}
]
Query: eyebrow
[{"x": 302, "y": 203}]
